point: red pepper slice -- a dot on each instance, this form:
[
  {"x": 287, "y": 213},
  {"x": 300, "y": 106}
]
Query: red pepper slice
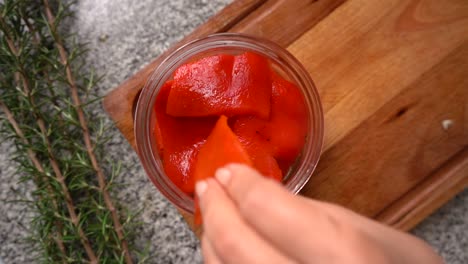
[
  {"x": 221, "y": 148},
  {"x": 267, "y": 165},
  {"x": 200, "y": 87},
  {"x": 222, "y": 85},
  {"x": 179, "y": 140},
  {"x": 283, "y": 135},
  {"x": 289, "y": 123},
  {"x": 248, "y": 130},
  {"x": 251, "y": 85}
]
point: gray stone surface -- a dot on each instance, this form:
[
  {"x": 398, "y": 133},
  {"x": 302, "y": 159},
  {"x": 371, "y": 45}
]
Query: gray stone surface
[
  {"x": 447, "y": 230},
  {"x": 123, "y": 36}
]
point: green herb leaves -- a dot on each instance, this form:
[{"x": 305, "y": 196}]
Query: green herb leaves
[{"x": 44, "y": 93}]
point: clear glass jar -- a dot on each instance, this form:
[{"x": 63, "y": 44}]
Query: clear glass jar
[{"x": 226, "y": 43}]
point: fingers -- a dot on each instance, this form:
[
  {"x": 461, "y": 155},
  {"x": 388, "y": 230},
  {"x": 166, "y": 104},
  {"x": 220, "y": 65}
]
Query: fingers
[
  {"x": 209, "y": 255},
  {"x": 296, "y": 221},
  {"x": 231, "y": 239},
  {"x": 401, "y": 247},
  {"x": 251, "y": 219},
  {"x": 327, "y": 232}
]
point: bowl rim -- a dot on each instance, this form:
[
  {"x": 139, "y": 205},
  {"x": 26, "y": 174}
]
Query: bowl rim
[{"x": 215, "y": 43}]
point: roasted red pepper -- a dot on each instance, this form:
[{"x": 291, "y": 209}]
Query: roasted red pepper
[
  {"x": 283, "y": 135},
  {"x": 222, "y": 85},
  {"x": 267, "y": 115},
  {"x": 248, "y": 129},
  {"x": 179, "y": 139},
  {"x": 251, "y": 85},
  {"x": 221, "y": 148}
]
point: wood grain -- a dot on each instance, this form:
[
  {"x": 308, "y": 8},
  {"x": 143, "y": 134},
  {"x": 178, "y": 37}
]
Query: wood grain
[
  {"x": 389, "y": 73},
  {"x": 396, "y": 148},
  {"x": 435, "y": 190},
  {"x": 283, "y": 21},
  {"x": 361, "y": 64}
]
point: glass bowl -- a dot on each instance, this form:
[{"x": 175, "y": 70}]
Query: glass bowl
[{"x": 227, "y": 43}]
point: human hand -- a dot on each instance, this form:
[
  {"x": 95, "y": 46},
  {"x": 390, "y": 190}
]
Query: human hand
[{"x": 248, "y": 218}]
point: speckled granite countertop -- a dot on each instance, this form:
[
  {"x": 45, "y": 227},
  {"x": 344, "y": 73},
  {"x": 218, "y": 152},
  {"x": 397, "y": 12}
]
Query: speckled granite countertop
[{"x": 123, "y": 36}]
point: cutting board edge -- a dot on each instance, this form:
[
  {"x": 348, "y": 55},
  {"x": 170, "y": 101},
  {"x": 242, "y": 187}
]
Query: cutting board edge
[{"x": 432, "y": 193}]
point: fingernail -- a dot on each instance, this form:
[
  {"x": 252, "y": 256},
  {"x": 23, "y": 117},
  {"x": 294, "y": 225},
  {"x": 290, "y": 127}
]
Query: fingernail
[
  {"x": 223, "y": 176},
  {"x": 200, "y": 188}
]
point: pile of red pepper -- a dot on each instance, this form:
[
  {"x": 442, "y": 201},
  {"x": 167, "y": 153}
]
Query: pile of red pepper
[{"x": 228, "y": 108}]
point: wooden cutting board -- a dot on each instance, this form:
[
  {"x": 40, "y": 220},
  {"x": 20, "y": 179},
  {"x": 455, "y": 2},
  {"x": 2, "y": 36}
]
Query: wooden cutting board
[{"x": 393, "y": 79}]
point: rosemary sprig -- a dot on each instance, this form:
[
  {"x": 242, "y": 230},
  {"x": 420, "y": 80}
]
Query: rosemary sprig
[
  {"x": 86, "y": 134},
  {"x": 22, "y": 79},
  {"x": 57, "y": 142}
]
